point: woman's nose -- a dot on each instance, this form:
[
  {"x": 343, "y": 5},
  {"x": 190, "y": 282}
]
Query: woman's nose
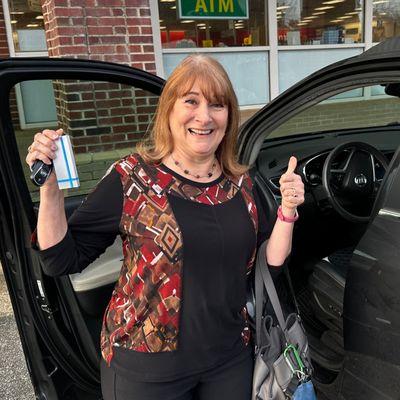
[{"x": 203, "y": 113}]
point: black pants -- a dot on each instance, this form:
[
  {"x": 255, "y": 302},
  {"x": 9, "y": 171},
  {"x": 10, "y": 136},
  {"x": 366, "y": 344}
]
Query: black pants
[{"x": 230, "y": 381}]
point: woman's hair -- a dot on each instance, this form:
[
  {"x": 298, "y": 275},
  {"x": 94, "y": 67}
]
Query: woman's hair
[{"x": 215, "y": 86}]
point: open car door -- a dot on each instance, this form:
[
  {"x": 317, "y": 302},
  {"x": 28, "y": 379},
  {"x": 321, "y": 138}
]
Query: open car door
[
  {"x": 372, "y": 301},
  {"x": 354, "y": 319},
  {"x": 105, "y": 108}
]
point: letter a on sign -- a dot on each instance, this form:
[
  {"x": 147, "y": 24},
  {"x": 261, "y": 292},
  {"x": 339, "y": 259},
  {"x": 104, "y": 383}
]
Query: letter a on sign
[{"x": 201, "y": 5}]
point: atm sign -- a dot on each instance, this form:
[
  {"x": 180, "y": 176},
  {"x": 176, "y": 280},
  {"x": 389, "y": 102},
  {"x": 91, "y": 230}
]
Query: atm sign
[{"x": 206, "y": 9}]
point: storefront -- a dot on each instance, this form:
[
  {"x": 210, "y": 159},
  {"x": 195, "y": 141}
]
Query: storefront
[{"x": 266, "y": 46}]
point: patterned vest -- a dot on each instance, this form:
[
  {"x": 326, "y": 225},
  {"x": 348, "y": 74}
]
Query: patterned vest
[{"x": 143, "y": 313}]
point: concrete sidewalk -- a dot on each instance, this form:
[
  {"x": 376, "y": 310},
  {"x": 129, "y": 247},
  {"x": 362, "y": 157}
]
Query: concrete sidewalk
[{"x": 15, "y": 383}]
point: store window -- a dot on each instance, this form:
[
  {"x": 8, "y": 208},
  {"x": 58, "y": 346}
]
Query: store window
[
  {"x": 312, "y": 22},
  {"x": 212, "y": 23},
  {"x": 386, "y": 19},
  {"x": 27, "y": 25}
]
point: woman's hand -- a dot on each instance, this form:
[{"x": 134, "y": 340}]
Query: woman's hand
[
  {"x": 292, "y": 189},
  {"x": 43, "y": 147}
]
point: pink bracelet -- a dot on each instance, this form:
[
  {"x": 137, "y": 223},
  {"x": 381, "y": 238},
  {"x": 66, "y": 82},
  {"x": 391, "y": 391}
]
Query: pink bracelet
[{"x": 287, "y": 219}]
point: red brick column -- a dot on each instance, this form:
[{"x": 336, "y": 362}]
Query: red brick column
[
  {"x": 108, "y": 30},
  {"x": 4, "y": 52},
  {"x": 101, "y": 116}
]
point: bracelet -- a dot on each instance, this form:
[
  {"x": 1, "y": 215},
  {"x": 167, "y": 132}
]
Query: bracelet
[{"x": 287, "y": 219}]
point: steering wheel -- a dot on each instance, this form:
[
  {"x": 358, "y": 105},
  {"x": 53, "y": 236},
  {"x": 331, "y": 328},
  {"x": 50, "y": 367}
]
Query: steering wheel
[{"x": 354, "y": 183}]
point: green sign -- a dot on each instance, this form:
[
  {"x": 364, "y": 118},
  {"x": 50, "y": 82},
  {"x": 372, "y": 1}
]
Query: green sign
[{"x": 207, "y": 9}]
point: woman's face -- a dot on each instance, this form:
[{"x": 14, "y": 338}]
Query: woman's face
[{"x": 197, "y": 125}]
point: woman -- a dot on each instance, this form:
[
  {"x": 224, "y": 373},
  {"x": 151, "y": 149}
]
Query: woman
[{"x": 175, "y": 327}]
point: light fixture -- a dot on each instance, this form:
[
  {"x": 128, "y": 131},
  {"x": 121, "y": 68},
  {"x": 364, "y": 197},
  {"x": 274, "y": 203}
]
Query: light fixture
[
  {"x": 333, "y": 1},
  {"x": 39, "y": 17},
  {"x": 319, "y": 13},
  {"x": 283, "y": 7},
  {"x": 324, "y": 8},
  {"x": 14, "y": 21},
  {"x": 336, "y": 20},
  {"x": 202, "y": 27},
  {"x": 312, "y": 17},
  {"x": 345, "y": 17},
  {"x": 382, "y": 13},
  {"x": 167, "y": 1},
  {"x": 302, "y": 23},
  {"x": 201, "y": 24},
  {"x": 32, "y": 25},
  {"x": 160, "y": 20},
  {"x": 380, "y": 2},
  {"x": 358, "y": 9},
  {"x": 352, "y": 13},
  {"x": 173, "y": 8},
  {"x": 187, "y": 21},
  {"x": 17, "y": 12},
  {"x": 163, "y": 27}
]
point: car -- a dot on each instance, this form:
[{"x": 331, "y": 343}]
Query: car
[{"x": 342, "y": 123}]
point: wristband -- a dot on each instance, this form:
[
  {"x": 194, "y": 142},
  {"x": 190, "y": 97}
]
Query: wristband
[{"x": 287, "y": 219}]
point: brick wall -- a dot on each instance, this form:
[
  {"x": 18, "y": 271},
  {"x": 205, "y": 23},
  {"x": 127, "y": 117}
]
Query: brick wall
[
  {"x": 103, "y": 116},
  {"x": 100, "y": 117},
  {"x": 4, "y": 52}
]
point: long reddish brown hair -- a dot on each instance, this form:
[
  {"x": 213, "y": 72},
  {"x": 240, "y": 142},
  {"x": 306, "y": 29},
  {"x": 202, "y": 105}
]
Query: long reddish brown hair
[{"x": 215, "y": 86}]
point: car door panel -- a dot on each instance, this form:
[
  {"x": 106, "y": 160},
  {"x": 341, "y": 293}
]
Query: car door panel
[
  {"x": 372, "y": 299},
  {"x": 106, "y": 107}
]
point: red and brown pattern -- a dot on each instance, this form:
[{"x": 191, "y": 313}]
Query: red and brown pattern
[{"x": 143, "y": 313}]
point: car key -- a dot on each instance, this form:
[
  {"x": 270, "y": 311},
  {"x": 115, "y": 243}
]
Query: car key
[{"x": 40, "y": 172}]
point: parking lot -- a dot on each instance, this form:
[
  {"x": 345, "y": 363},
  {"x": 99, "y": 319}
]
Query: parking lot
[{"x": 14, "y": 379}]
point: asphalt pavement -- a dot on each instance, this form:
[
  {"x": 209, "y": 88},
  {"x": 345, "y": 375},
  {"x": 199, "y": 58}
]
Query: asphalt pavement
[{"x": 15, "y": 383}]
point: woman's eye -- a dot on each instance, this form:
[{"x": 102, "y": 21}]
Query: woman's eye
[
  {"x": 218, "y": 105},
  {"x": 190, "y": 101}
]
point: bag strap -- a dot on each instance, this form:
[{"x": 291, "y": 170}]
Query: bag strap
[
  {"x": 286, "y": 271},
  {"x": 263, "y": 278}
]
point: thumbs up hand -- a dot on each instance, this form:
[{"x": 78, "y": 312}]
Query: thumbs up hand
[{"x": 292, "y": 189}]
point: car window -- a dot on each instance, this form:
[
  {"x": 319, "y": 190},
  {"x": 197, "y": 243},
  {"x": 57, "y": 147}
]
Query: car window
[
  {"x": 105, "y": 121},
  {"x": 357, "y": 108}
]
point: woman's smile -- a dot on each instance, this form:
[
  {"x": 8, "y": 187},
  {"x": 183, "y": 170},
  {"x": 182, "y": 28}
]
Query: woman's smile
[{"x": 201, "y": 132}]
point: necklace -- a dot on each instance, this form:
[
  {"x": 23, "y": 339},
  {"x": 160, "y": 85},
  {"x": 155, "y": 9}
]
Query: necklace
[{"x": 197, "y": 176}]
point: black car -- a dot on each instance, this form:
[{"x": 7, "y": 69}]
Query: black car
[{"x": 343, "y": 125}]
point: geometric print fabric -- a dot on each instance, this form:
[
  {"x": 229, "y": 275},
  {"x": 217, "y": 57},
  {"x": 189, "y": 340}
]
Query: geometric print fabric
[{"x": 143, "y": 313}]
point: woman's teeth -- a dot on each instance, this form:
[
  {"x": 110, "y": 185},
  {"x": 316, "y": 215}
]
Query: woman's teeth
[{"x": 200, "y": 131}]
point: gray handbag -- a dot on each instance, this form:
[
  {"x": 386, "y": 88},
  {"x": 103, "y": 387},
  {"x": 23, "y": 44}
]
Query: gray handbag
[{"x": 282, "y": 360}]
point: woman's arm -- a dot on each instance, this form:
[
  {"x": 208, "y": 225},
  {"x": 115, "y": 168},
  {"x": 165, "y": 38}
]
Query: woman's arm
[
  {"x": 52, "y": 222},
  {"x": 63, "y": 247},
  {"x": 280, "y": 242}
]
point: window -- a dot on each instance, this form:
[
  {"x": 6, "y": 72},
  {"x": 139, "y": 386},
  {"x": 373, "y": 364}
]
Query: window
[
  {"x": 312, "y": 22},
  {"x": 386, "y": 18},
  {"x": 27, "y": 25},
  {"x": 179, "y": 32},
  {"x": 357, "y": 108},
  {"x": 104, "y": 119}
]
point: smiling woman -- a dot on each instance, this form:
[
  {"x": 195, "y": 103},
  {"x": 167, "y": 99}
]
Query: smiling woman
[{"x": 191, "y": 223}]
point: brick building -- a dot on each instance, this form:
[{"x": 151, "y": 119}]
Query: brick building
[{"x": 265, "y": 46}]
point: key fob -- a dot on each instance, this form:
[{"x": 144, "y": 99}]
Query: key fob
[{"x": 40, "y": 172}]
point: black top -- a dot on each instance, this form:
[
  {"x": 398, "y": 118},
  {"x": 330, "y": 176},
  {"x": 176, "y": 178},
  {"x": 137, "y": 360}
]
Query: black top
[{"x": 218, "y": 243}]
